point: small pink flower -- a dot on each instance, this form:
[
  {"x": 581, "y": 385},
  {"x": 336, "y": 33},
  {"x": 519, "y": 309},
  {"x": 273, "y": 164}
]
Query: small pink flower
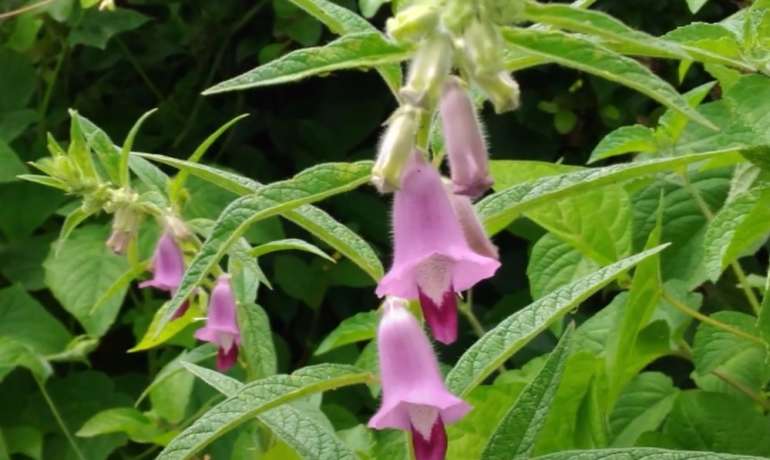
[
  {"x": 167, "y": 268},
  {"x": 414, "y": 397},
  {"x": 221, "y": 324},
  {"x": 464, "y": 141},
  {"x": 432, "y": 259}
]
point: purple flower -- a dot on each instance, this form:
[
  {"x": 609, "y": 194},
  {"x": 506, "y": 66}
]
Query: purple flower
[
  {"x": 167, "y": 268},
  {"x": 473, "y": 230},
  {"x": 432, "y": 259},
  {"x": 414, "y": 397},
  {"x": 221, "y": 324},
  {"x": 464, "y": 141}
]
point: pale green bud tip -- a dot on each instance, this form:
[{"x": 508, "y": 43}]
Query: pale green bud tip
[
  {"x": 125, "y": 226},
  {"x": 427, "y": 71},
  {"x": 413, "y": 23},
  {"x": 501, "y": 89},
  {"x": 395, "y": 147},
  {"x": 482, "y": 46}
]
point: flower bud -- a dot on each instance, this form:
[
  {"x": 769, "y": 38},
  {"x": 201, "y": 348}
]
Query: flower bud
[
  {"x": 501, "y": 89},
  {"x": 456, "y": 15},
  {"x": 125, "y": 226},
  {"x": 414, "y": 22},
  {"x": 395, "y": 148},
  {"x": 430, "y": 65},
  {"x": 482, "y": 46}
]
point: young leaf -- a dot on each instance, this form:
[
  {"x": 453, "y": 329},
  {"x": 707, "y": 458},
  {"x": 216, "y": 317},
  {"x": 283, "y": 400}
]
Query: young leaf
[
  {"x": 582, "y": 54},
  {"x": 554, "y": 263},
  {"x": 357, "y": 50},
  {"x": 515, "y": 436},
  {"x": 224, "y": 384},
  {"x": 128, "y": 420},
  {"x": 288, "y": 244},
  {"x": 357, "y": 328},
  {"x": 501, "y": 208},
  {"x": 626, "y": 139},
  {"x": 126, "y": 149},
  {"x": 642, "y": 453},
  {"x": 256, "y": 398},
  {"x": 257, "y": 341},
  {"x": 642, "y": 406},
  {"x": 500, "y": 343}
]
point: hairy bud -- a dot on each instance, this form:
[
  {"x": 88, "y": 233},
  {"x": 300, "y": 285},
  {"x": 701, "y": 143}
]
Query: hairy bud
[
  {"x": 395, "y": 148},
  {"x": 427, "y": 71},
  {"x": 501, "y": 89},
  {"x": 413, "y": 23}
]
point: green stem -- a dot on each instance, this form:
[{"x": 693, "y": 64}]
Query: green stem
[
  {"x": 709, "y": 320},
  {"x": 49, "y": 92},
  {"x": 59, "y": 420}
]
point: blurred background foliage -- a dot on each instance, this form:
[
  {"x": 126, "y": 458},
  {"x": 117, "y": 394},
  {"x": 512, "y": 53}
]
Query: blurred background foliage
[{"x": 112, "y": 66}]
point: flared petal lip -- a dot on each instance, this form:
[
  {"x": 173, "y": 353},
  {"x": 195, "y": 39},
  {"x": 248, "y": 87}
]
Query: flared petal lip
[
  {"x": 469, "y": 269},
  {"x": 159, "y": 284},
  {"x": 210, "y": 333},
  {"x": 395, "y": 413}
]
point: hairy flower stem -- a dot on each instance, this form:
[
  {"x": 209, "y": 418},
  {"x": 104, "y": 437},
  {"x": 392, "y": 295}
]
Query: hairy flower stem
[
  {"x": 59, "y": 420},
  {"x": 709, "y": 320}
]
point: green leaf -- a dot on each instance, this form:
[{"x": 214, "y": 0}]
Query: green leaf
[
  {"x": 293, "y": 425},
  {"x": 311, "y": 218},
  {"x": 698, "y": 421},
  {"x": 500, "y": 343},
  {"x": 366, "y": 49},
  {"x": 517, "y": 432},
  {"x": 245, "y": 271},
  {"x": 71, "y": 222},
  {"x": 14, "y": 354},
  {"x": 10, "y": 165},
  {"x": 582, "y": 54},
  {"x": 642, "y": 406},
  {"x": 641, "y": 453},
  {"x": 257, "y": 341},
  {"x": 289, "y": 244},
  {"x": 24, "y": 320},
  {"x": 553, "y": 263},
  {"x": 159, "y": 333},
  {"x": 357, "y": 328},
  {"x": 81, "y": 271},
  {"x": 126, "y": 148},
  {"x": 97, "y": 27},
  {"x": 171, "y": 397},
  {"x": 17, "y": 80},
  {"x": 150, "y": 175},
  {"x": 256, "y": 398},
  {"x": 763, "y": 320},
  {"x": 696, "y": 5},
  {"x": 501, "y": 208},
  {"x": 25, "y": 207},
  {"x": 313, "y": 184},
  {"x": 626, "y": 139},
  {"x": 24, "y": 440},
  {"x": 128, "y": 420},
  {"x": 740, "y": 225},
  {"x": 176, "y": 365}
]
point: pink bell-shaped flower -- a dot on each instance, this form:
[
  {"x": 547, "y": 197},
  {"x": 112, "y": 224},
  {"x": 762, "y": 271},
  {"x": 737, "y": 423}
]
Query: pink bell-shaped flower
[
  {"x": 414, "y": 397},
  {"x": 464, "y": 141},
  {"x": 221, "y": 324},
  {"x": 432, "y": 260},
  {"x": 167, "y": 269}
]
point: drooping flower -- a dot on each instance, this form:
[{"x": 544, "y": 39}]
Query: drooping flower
[
  {"x": 167, "y": 268},
  {"x": 221, "y": 324},
  {"x": 464, "y": 141},
  {"x": 473, "y": 230},
  {"x": 414, "y": 397},
  {"x": 395, "y": 147},
  {"x": 432, "y": 260}
]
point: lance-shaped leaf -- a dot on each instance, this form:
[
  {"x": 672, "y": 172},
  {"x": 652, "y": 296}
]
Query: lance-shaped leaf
[
  {"x": 642, "y": 453},
  {"x": 357, "y": 328},
  {"x": 515, "y": 436},
  {"x": 367, "y": 49},
  {"x": 311, "y": 218},
  {"x": 313, "y": 184},
  {"x": 257, "y": 341},
  {"x": 583, "y": 54},
  {"x": 256, "y": 398},
  {"x": 501, "y": 208},
  {"x": 500, "y": 343}
]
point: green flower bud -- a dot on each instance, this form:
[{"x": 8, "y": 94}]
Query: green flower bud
[
  {"x": 429, "y": 66},
  {"x": 457, "y": 15},
  {"x": 482, "y": 46},
  {"x": 395, "y": 147},
  {"x": 501, "y": 89},
  {"x": 413, "y": 23},
  {"x": 505, "y": 12}
]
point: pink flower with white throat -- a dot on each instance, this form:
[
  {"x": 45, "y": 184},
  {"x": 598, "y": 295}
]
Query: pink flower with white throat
[
  {"x": 414, "y": 397},
  {"x": 221, "y": 326},
  {"x": 432, "y": 260}
]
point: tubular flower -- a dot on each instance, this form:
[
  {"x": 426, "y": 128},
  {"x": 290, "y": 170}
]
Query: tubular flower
[
  {"x": 464, "y": 141},
  {"x": 395, "y": 147},
  {"x": 414, "y": 397},
  {"x": 432, "y": 260},
  {"x": 221, "y": 324},
  {"x": 473, "y": 230},
  {"x": 167, "y": 268}
]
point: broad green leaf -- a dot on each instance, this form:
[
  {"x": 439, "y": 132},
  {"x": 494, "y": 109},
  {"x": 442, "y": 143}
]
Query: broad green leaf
[
  {"x": 81, "y": 271},
  {"x": 311, "y": 218},
  {"x": 696, "y": 5},
  {"x": 366, "y": 49},
  {"x": 293, "y": 425},
  {"x": 739, "y": 226},
  {"x": 515, "y": 436},
  {"x": 128, "y": 420},
  {"x": 14, "y": 354},
  {"x": 712, "y": 39},
  {"x": 25, "y": 207},
  {"x": 501, "y": 208},
  {"x": 22, "y": 439},
  {"x": 256, "y": 341},
  {"x": 176, "y": 365},
  {"x": 707, "y": 421},
  {"x": 101, "y": 144},
  {"x": 554, "y": 263},
  {"x": 289, "y": 244},
  {"x": 121, "y": 284},
  {"x": 170, "y": 398},
  {"x": 24, "y": 320},
  {"x": 582, "y": 54},
  {"x": 642, "y": 406},
  {"x": 95, "y": 27},
  {"x": 641, "y": 453},
  {"x": 500, "y": 343},
  {"x": 256, "y": 398},
  {"x": 358, "y": 328},
  {"x": 10, "y": 165},
  {"x": 626, "y": 139},
  {"x": 159, "y": 333},
  {"x": 314, "y": 184}
]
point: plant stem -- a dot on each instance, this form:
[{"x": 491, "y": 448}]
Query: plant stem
[
  {"x": 466, "y": 308},
  {"x": 49, "y": 92},
  {"x": 709, "y": 320},
  {"x": 24, "y": 9},
  {"x": 59, "y": 420}
]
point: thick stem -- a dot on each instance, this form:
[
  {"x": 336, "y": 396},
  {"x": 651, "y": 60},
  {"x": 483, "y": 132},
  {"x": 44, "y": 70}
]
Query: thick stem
[{"x": 59, "y": 420}]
